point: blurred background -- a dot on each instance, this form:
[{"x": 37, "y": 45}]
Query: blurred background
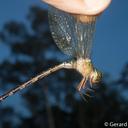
[{"x": 27, "y": 48}]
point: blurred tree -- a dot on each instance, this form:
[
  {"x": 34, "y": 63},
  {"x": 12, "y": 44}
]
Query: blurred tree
[{"x": 53, "y": 102}]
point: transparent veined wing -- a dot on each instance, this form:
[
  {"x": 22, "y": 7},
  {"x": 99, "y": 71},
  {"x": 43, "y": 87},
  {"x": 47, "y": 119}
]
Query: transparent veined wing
[
  {"x": 72, "y": 36},
  {"x": 59, "y": 23}
]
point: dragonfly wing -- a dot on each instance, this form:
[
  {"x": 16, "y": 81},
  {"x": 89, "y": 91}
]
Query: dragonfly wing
[
  {"x": 59, "y": 23},
  {"x": 72, "y": 36},
  {"x": 84, "y": 33}
]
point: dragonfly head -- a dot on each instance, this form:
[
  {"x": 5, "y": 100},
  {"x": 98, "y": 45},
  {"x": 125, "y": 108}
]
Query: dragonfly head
[{"x": 95, "y": 77}]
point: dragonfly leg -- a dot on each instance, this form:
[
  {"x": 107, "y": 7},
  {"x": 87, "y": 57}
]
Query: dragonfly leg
[
  {"x": 90, "y": 81},
  {"x": 82, "y": 83},
  {"x": 88, "y": 95},
  {"x": 83, "y": 97},
  {"x": 90, "y": 89}
]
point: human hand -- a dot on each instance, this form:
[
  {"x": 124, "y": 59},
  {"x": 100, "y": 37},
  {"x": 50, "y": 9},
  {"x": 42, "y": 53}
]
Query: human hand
[{"x": 84, "y": 7}]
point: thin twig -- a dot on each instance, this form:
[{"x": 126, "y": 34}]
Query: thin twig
[{"x": 35, "y": 79}]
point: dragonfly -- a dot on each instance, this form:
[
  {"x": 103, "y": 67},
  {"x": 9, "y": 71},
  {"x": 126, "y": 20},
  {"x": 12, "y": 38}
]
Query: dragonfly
[{"x": 73, "y": 34}]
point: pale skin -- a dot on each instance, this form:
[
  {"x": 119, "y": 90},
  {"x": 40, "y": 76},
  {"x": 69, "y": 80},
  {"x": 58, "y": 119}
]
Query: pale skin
[{"x": 83, "y": 7}]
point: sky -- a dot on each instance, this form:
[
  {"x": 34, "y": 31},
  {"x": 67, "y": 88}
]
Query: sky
[
  {"x": 111, "y": 39},
  {"x": 110, "y": 47}
]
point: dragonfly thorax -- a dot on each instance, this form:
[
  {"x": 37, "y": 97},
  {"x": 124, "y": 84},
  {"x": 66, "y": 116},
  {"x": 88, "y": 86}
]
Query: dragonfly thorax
[
  {"x": 87, "y": 70},
  {"x": 84, "y": 66}
]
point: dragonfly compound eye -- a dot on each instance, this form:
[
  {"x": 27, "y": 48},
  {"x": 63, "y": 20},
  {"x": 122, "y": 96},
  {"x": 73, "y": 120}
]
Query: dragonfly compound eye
[{"x": 96, "y": 77}]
